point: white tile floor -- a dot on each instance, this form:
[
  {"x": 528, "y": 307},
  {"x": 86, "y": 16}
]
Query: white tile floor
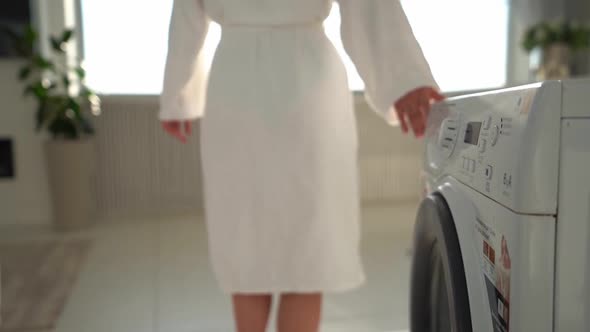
[{"x": 154, "y": 276}]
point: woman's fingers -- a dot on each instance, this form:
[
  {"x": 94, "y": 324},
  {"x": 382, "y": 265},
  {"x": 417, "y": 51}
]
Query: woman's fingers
[
  {"x": 174, "y": 129},
  {"x": 435, "y": 95},
  {"x": 419, "y": 131},
  {"x": 169, "y": 126},
  {"x": 410, "y": 116},
  {"x": 414, "y": 107},
  {"x": 401, "y": 116},
  {"x": 431, "y": 96},
  {"x": 415, "y": 118},
  {"x": 424, "y": 112}
]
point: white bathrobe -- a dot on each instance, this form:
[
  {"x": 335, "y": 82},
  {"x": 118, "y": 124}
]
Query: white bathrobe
[{"x": 278, "y": 131}]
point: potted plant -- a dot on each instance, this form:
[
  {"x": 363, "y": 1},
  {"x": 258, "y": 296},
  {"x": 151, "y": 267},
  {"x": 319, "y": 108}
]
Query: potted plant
[
  {"x": 65, "y": 106},
  {"x": 557, "y": 49}
]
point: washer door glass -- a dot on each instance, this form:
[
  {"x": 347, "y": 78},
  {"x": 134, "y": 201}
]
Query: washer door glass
[{"x": 439, "y": 300}]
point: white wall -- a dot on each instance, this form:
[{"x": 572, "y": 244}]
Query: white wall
[
  {"x": 25, "y": 199},
  {"x": 578, "y": 9}
]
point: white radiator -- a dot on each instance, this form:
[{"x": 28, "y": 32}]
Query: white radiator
[{"x": 142, "y": 171}]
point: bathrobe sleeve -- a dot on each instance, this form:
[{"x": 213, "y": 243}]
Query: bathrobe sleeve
[
  {"x": 185, "y": 76},
  {"x": 378, "y": 38}
]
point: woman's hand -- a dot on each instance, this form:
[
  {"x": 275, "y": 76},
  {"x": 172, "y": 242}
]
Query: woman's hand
[
  {"x": 175, "y": 129},
  {"x": 413, "y": 109}
]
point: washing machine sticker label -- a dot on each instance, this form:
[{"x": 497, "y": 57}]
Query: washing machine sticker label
[{"x": 495, "y": 262}]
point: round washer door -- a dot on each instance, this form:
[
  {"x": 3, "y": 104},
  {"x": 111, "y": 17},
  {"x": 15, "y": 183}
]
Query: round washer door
[{"x": 438, "y": 298}]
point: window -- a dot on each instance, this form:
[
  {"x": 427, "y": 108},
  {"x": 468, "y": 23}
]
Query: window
[
  {"x": 465, "y": 42},
  {"x": 125, "y": 44}
]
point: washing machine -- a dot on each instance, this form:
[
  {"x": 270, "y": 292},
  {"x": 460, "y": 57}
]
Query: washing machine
[{"x": 502, "y": 234}]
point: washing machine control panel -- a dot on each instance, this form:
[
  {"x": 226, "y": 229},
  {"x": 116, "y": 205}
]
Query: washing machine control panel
[
  {"x": 448, "y": 136},
  {"x": 503, "y": 144}
]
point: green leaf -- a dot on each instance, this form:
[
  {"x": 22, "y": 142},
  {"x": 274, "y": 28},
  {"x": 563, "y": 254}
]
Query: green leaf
[
  {"x": 543, "y": 34},
  {"x": 85, "y": 92},
  {"x": 57, "y": 45},
  {"x": 89, "y": 95},
  {"x": 40, "y": 116},
  {"x": 66, "y": 81},
  {"x": 81, "y": 73},
  {"x": 28, "y": 41},
  {"x": 75, "y": 106},
  {"x": 62, "y": 127},
  {"x": 67, "y": 35},
  {"x": 40, "y": 92},
  {"x": 24, "y": 73},
  {"x": 42, "y": 63},
  {"x": 37, "y": 89},
  {"x": 30, "y": 34},
  {"x": 67, "y": 128},
  {"x": 48, "y": 111}
]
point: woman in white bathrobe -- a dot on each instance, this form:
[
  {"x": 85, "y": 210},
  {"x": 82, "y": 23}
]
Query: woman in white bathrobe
[{"x": 279, "y": 142}]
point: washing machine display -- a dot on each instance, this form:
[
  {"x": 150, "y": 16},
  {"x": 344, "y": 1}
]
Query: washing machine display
[{"x": 472, "y": 133}]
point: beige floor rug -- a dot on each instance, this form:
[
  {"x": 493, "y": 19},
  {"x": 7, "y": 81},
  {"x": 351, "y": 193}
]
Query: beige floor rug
[{"x": 36, "y": 280}]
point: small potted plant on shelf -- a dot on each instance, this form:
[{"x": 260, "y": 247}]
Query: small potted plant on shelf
[
  {"x": 558, "y": 49},
  {"x": 65, "y": 106}
]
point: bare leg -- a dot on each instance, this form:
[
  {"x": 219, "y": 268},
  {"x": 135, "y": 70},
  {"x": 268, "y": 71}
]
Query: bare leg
[
  {"x": 251, "y": 312},
  {"x": 300, "y": 312}
]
